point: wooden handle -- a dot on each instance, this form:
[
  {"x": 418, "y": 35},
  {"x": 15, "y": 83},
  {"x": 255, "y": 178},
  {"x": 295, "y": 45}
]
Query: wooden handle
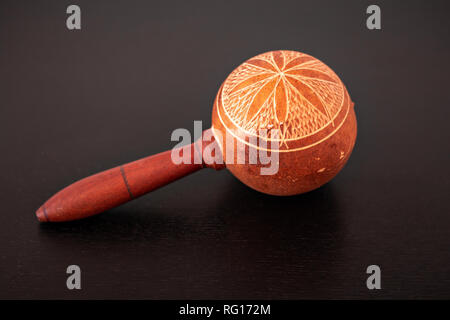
[{"x": 113, "y": 187}]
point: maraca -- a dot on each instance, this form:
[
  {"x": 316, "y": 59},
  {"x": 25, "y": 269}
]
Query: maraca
[{"x": 283, "y": 98}]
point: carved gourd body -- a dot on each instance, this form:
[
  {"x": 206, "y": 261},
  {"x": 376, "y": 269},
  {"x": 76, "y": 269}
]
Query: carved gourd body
[{"x": 300, "y": 99}]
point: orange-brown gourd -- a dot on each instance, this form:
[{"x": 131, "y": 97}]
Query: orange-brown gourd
[
  {"x": 304, "y": 100},
  {"x": 288, "y": 93}
]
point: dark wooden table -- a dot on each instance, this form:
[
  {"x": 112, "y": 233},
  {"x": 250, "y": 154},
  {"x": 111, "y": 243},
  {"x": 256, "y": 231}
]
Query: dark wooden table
[{"x": 77, "y": 102}]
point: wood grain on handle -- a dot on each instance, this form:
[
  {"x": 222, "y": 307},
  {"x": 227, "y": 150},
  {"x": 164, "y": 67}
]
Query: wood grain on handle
[{"x": 113, "y": 187}]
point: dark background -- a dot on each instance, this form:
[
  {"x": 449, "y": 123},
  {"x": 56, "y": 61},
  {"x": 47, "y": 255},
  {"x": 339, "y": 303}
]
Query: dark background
[{"x": 77, "y": 102}]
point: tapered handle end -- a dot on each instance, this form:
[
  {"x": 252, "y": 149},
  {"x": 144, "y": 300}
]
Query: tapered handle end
[
  {"x": 41, "y": 214},
  {"x": 113, "y": 187}
]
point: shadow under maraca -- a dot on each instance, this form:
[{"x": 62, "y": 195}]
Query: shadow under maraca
[
  {"x": 241, "y": 244},
  {"x": 289, "y": 244}
]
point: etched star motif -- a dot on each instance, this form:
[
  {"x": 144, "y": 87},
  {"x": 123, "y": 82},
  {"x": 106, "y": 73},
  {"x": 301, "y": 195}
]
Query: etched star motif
[{"x": 284, "y": 90}]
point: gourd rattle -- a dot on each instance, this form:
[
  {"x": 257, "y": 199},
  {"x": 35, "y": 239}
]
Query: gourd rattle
[{"x": 288, "y": 93}]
